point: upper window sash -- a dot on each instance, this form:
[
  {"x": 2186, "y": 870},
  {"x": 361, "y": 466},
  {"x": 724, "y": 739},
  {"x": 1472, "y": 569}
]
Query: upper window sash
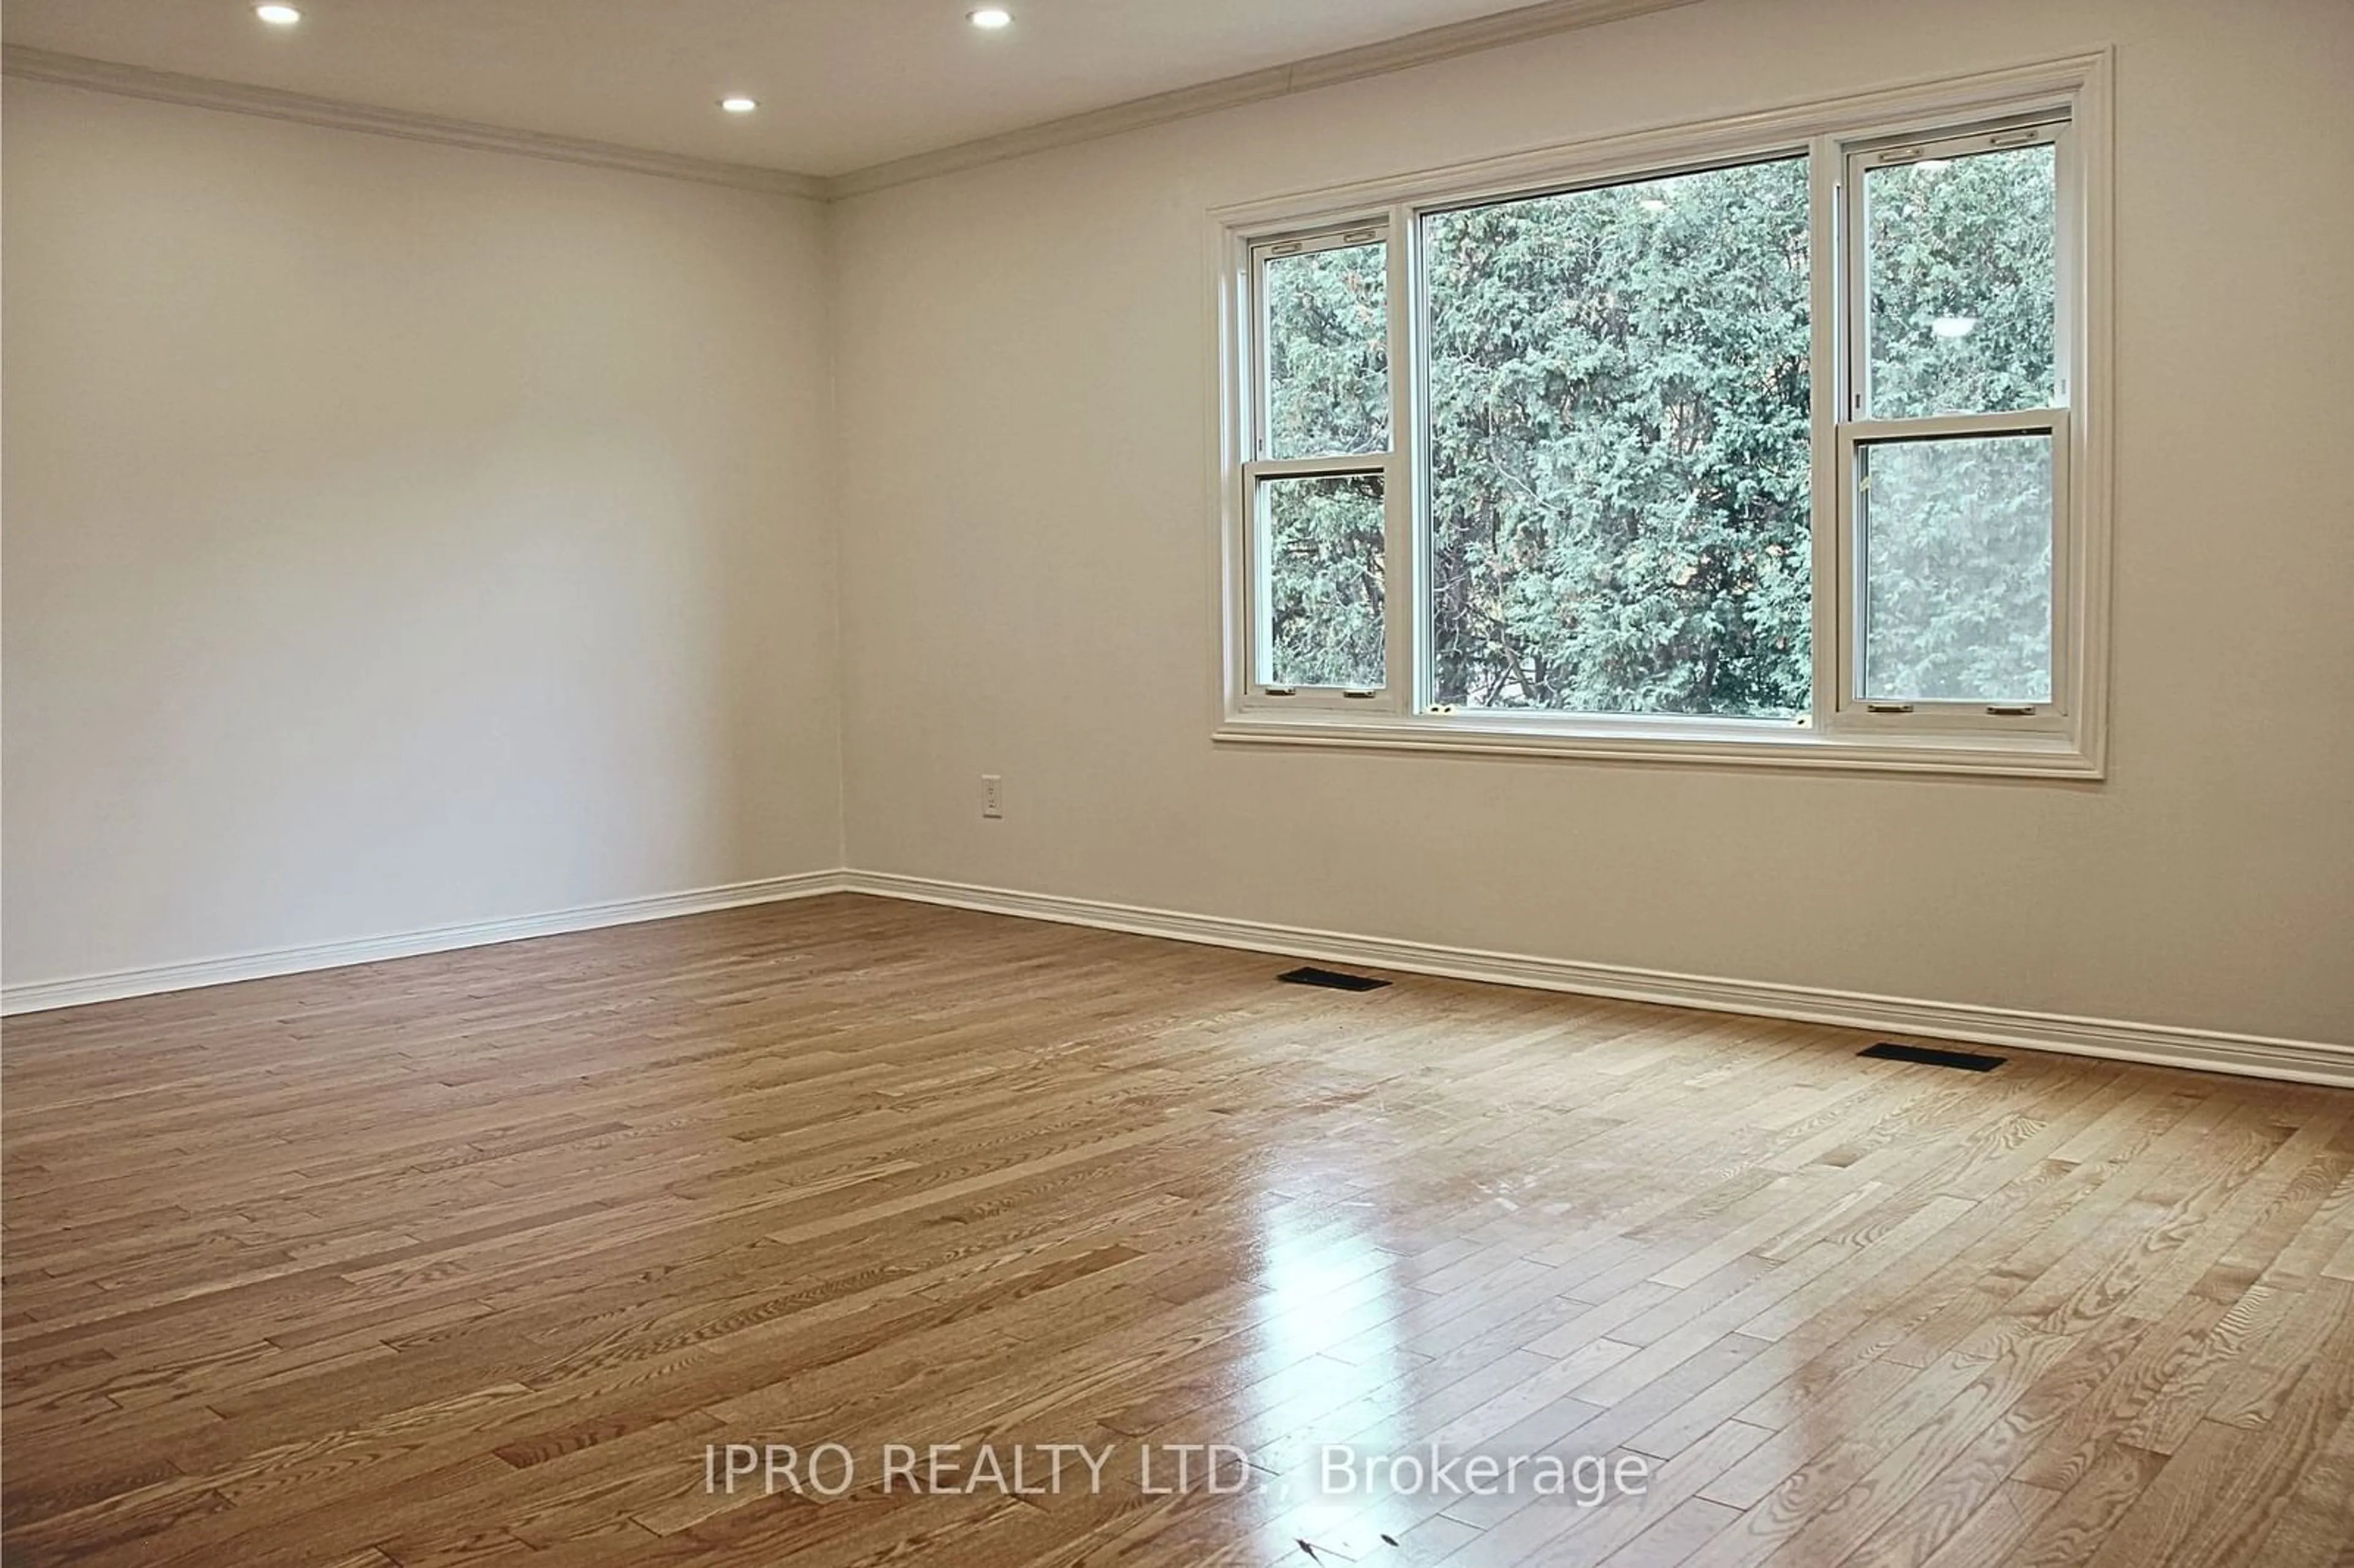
[
  {"x": 1270, "y": 259},
  {"x": 1922, "y": 153}
]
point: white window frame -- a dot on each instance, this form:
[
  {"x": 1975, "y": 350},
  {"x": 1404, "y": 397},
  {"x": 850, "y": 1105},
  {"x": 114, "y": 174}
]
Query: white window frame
[
  {"x": 1848, "y": 709},
  {"x": 1394, "y": 695},
  {"x": 2065, "y": 738}
]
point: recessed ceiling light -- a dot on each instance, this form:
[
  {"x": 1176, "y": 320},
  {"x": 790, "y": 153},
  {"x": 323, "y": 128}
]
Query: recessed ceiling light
[
  {"x": 739, "y": 105},
  {"x": 278, "y": 15},
  {"x": 1954, "y": 326},
  {"x": 990, "y": 18}
]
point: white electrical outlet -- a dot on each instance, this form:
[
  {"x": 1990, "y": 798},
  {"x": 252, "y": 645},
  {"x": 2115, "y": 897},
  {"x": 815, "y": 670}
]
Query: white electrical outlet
[{"x": 993, "y": 795}]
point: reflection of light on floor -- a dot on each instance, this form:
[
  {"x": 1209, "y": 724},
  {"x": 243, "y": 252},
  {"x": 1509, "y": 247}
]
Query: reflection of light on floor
[{"x": 1331, "y": 1367}]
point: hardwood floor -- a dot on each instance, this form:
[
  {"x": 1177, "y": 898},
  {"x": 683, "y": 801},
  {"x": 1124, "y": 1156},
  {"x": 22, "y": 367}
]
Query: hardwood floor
[{"x": 471, "y": 1259}]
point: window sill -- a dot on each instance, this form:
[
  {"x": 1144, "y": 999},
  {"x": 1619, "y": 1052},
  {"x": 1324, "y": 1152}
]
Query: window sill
[{"x": 1724, "y": 744}]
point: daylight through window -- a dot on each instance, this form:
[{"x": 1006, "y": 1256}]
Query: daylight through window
[
  {"x": 1617, "y": 447},
  {"x": 1775, "y": 446}
]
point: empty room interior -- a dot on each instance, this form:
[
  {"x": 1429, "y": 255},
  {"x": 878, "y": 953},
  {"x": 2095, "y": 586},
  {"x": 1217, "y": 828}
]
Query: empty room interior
[{"x": 1177, "y": 783}]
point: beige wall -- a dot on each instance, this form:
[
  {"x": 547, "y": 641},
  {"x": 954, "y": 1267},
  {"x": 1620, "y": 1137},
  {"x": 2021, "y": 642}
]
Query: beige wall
[
  {"x": 1029, "y": 568},
  {"x": 400, "y": 536},
  {"x": 396, "y": 537}
]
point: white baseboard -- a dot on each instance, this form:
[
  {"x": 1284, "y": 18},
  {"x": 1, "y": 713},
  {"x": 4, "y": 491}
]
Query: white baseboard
[
  {"x": 44, "y": 995},
  {"x": 2298, "y": 1061}
]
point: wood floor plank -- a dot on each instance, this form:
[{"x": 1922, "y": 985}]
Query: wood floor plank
[{"x": 470, "y": 1259}]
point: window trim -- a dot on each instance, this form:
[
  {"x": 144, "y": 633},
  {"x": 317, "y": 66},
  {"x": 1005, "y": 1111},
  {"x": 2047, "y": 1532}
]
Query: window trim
[
  {"x": 1395, "y": 692},
  {"x": 2067, "y": 740},
  {"x": 1848, "y": 708}
]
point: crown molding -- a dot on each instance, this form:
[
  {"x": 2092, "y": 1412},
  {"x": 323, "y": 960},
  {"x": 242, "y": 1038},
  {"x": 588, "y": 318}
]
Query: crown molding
[
  {"x": 1432, "y": 44},
  {"x": 272, "y": 103},
  {"x": 1424, "y": 48}
]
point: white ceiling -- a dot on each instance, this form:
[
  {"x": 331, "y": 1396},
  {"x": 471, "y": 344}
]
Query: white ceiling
[{"x": 843, "y": 84}]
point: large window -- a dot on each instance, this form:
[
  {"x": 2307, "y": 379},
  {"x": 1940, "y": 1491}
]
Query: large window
[{"x": 1771, "y": 452}]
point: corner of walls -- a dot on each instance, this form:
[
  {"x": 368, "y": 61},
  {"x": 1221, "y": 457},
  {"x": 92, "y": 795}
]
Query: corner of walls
[
  {"x": 405, "y": 537},
  {"x": 2192, "y": 891},
  {"x": 1262, "y": 850},
  {"x": 836, "y": 530}
]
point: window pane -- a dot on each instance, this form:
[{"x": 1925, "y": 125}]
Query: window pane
[
  {"x": 1618, "y": 416},
  {"x": 1321, "y": 590},
  {"x": 1957, "y": 569},
  {"x": 1328, "y": 365},
  {"x": 1961, "y": 257}
]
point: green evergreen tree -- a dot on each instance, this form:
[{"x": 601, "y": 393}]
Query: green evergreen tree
[{"x": 1618, "y": 415}]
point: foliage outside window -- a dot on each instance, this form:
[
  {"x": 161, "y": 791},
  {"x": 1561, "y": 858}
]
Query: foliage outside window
[
  {"x": 1619, "y": 392},
  {"x": 1777, "y": 445}
]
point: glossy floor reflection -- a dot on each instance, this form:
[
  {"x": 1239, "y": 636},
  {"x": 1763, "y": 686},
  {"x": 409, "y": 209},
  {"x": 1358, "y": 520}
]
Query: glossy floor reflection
[{"x": 512, "y": 1256}]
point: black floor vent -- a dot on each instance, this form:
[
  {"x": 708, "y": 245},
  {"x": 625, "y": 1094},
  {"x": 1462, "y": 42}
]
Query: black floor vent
[
  {"x": 1308, "y": 974},
  {"x": 1968, "y": 1061}
]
